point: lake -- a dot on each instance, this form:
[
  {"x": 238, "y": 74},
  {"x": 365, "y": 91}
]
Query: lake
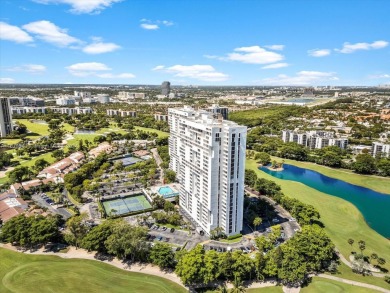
[{"x": 374, "y": 206}]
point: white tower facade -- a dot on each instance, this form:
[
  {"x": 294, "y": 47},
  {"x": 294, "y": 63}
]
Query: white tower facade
[
  {"x": 5, "y": 117},
  {"x": 208, "y": 156}
]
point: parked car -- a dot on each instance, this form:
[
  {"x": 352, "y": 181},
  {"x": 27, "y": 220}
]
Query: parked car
[{"x": 275, "y": 220}]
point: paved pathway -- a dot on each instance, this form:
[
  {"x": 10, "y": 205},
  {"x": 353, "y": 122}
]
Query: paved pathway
[
  {"x": 348, "y": 263},
  {"x": 354, "y": 283}
]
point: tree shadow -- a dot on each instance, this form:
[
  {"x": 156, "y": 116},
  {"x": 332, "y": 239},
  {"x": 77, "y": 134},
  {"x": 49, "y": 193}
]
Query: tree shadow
[{"x": 103, "y": 257}]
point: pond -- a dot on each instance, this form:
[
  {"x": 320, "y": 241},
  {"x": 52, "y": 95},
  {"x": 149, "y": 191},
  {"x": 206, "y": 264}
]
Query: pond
[{"x": 374, "y": 206}]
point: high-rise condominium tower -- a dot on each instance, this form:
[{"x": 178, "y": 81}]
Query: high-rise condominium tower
[
  {"x": 5, "y": 117},
  {"x": 165, "y": 88},
  {"x": 208, "y": 156}
]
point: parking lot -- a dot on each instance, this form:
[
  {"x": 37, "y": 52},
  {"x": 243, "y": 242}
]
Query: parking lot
[
  {"x": 175, "y": 236},
  {"x": 46, "y": 202}
]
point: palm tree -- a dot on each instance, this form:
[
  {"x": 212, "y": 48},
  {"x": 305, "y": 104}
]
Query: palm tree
[
  {"x": 237, "y": 286},
  {"x": 222, "y": 289},
  {"x": 257, "y": 222}
]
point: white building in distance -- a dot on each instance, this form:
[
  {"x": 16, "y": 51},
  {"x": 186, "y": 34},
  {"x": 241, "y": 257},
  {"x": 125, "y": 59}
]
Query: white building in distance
[
  {"x": 208, "y": 156},
  {"x": 314, "y": 139},
  {"x": 380, "y": 150},
  {"x": 130, "y": 96},
  {"x": 122, "y": 113},
  {"x": 5, "y": 117}
]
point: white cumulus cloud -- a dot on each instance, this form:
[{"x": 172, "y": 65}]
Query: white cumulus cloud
[
  {"x": 49, "y": 32},
  {"x": 99, "y": 47},
  {"x": 350, "y": 48},
  {"x": 319, "y": 52},
  {"x": 82, "y": 6},
  {"x": 302, "y": 78},
  {"x": 275, "y": 66},
  {"x": 250, "y": 55},
  {"x": 95, "y": 69},
  {"x": 13, "y": 33},
  {"x": 88, "y": 68},
  {"x": 149, "y": 26},
  {"x": 199, "y": 72},
  {"x": 7, "y": 80},
  {"x": 32, "y": 68},
  {"x": 275, "y": 47},
  {"x": 379, "y": 76}
]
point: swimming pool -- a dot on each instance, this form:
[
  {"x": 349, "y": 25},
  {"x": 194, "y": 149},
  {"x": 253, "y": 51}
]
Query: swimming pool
[{"x": 166, "y": 192}]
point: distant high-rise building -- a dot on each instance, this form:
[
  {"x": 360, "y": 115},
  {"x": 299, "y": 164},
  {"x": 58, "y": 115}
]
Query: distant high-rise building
[
  {"x": 208, "y": 156},
  {"x": 165, "y": 88},
  {"x": 5, "y": 117}
]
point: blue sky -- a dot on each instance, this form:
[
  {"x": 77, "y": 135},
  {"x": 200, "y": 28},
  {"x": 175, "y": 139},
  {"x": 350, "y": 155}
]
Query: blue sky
[{"x": 242, "y": 42}]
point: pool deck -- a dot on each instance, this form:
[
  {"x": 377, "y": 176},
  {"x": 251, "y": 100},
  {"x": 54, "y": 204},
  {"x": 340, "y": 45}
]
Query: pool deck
[{"x": 173, "y": 186}]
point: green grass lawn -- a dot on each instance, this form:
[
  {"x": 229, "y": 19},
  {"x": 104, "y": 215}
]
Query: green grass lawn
[
  {"x": 321, "y": 285},
  {"x": 40, "y": 274},
  {"x": 69, "y": 128},
  {"x": 111, "y": 129},
  {"x": 342, "y": 219},
  {"x": 10, "y": 141},
  {"x": 380, "y": 184},
  {"x": 161, "y": 134},
  {"x": 36, "y": 128}
]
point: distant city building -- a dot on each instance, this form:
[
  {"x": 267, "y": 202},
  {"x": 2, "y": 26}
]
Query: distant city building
[
  {"x": 122, "y": 113},
  {"x": 216, "y": 109},
  {"x": 308, "y": 92},
  {"x": 82, "y": 95},
  {"x": 103, "y": 99},
  {"x": 360, "y": 149},
  {"x": 380, "y": 150},
  {"x": 130, "y": 96},
  {"x": 73, "y": 111},
  {"x": 65, "y": 101},
  {"x": 24, "y": 110},
  {"x": 314, "y": 139},
  {"x": 89, "y": 101},
  {"x": 5, "y": 117},
  {"x": 208, "y": 156},
  {"x": 165, "y": 88},
  {"x": 160, "y": 117},
  {"x": 27, "y": 101}
]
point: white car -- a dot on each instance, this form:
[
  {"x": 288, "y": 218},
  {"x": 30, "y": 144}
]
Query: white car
[
  {"x": 292, "y": 220},
  {"x": 275, "y": 220}
]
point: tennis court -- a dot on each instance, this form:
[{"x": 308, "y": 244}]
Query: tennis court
[{"x": 121, "y": 206}]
